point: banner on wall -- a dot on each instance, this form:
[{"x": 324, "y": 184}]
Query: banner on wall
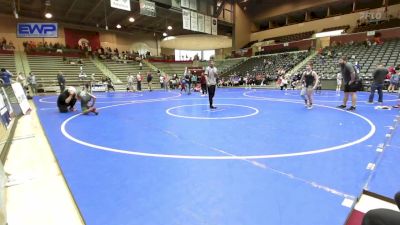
[
  {"x": 214, "y": 26},
  {"x": 193, "y": 21},
  {"x": 207, "y": 24},
  {"x": 185, "y": 3},
  {"x": 121, "y": 4},
  {"x": 200, "y": 22},
  {"x": 176, "y": 3},
  {"x": 186, "y": 19},
  {"x": 81, "y": 38},
  {"x": 37, "y": 30},
  {"x": 147, "y": 8},
  {"x": 193, "y": 4}
]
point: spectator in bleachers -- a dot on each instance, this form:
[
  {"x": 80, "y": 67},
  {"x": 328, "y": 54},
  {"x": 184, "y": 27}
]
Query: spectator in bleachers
[
  {"x": 32, "y": 82},
  {"x": 61, "y": 81},
  {"x": 351, "y": 85},
  {"x": 367, "y": 43},
  {"x": 6, "y": 76},
  {"x": 377, "y": 84},
  {"x": 66, "y": 100}
]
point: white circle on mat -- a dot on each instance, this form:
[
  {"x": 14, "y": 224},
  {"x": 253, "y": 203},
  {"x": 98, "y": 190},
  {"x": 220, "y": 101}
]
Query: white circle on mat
[
  {"x": 223, "y": 157},
  {"x": 255, "y": 112}
]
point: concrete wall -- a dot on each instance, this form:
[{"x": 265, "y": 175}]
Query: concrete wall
[{"x": 242, "y": 28}]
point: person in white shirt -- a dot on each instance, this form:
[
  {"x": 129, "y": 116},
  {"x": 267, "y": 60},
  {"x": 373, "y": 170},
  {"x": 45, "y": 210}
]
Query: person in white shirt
[
  {"x": 130, "y": 79},
  {"x": 211, "y": 73},
  {"x": 338, "y": 83},
  {"x": 139, "y": 81},
  {"x": 161, "y": 81}
]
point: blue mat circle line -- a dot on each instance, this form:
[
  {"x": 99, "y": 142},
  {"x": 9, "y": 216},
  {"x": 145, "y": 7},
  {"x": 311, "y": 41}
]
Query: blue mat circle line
[{"x": 228, "y": 156}]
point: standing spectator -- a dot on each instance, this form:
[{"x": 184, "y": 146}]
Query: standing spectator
[
  {"x": 162, "y": 79},
  {"x": 110, "y": 84},
  {"x": 212, "y": 75},
  {"x": 32, "y": 82},
  {"x": 339, "y": 79},
  {"x": 149, "y": 80},
  {"x": 140, "y": 65},
  {"x": 166, "y": 82},
  {"x": 6, "y": 76},
  {"x": 130, "y": 79},
  {"x": 310, "y": 80},
  {"x": 203, "y": 82},
  {"x": 379, "y": 78},
  {"x": 61, "y": 81},
  {"x": 394, "y": 80},
  {"x": 351, "y": 85},
  {"x": 194, "y": 80},
  {"x": 139, "y": 81}
]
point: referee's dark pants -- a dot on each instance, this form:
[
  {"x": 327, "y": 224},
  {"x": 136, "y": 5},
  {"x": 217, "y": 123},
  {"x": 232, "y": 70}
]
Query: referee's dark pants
[{"x": 211, "y": 93}]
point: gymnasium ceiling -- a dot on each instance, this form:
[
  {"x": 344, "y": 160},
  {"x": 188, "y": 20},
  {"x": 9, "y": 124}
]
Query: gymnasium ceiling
[
  {"x": 92, "y": 13},
  {"x": 262, "y": 11}
]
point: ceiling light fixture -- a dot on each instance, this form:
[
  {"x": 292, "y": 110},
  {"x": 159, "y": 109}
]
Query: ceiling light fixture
[
  {"x": 48, "y": 15},
  {"x": 169, "y": 27},
  {"x": 131, "y": 19},
  {"x": 118, "y": 26},
  {"x": 164, "y": 34}
]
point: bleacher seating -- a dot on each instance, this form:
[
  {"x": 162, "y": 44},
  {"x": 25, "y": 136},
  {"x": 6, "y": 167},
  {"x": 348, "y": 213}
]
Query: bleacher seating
[
  {"x": 122, "y": 70},
  {"x": 255, "y": 65},
  {"x": 388, "y": 53},
  {"x": 7, "y": 61},
  {"x": 224, "y": 65},
  {"x": 292, "y": 37},
  {"x": 345, "y": 28},
  {"x": 46, "y": 69},
  {"x": 172, "y": 68}
]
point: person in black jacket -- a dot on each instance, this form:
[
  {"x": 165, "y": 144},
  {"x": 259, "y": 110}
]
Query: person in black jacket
[
  {"x": 383, "y": 216},
  {"x": 66, "y": 100},
  {"x": 379, "y": 78}
]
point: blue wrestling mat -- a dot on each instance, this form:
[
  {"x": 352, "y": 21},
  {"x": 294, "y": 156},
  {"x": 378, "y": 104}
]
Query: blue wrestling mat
[{"x": 260, "y": 158}]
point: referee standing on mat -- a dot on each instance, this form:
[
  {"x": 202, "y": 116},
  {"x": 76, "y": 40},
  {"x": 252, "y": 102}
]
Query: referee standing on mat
[{"x": 212, "y": 75}]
